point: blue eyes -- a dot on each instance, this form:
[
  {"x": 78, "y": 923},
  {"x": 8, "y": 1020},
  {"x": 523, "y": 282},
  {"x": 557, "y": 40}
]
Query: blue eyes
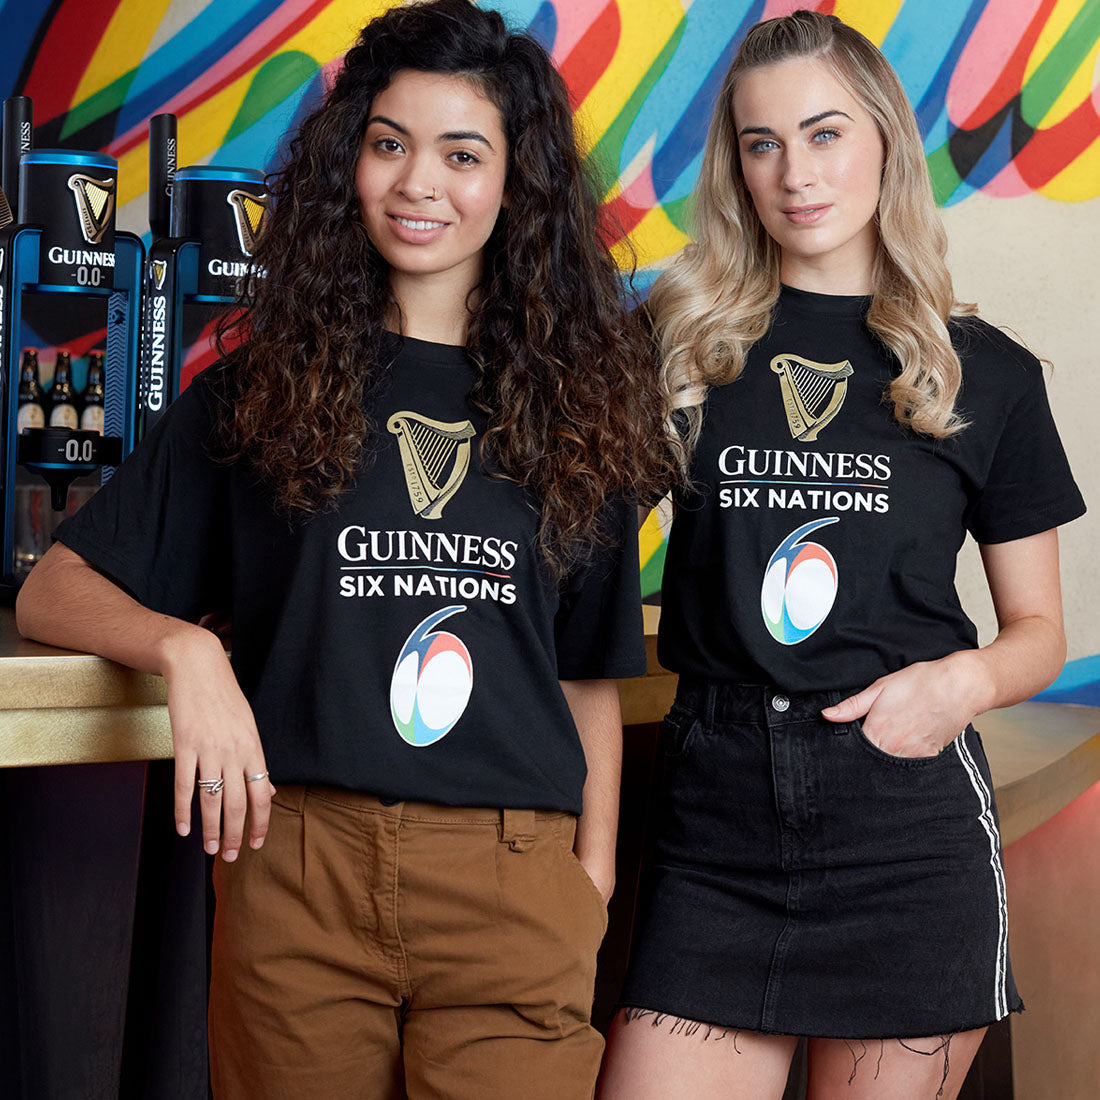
[{"x": 824, "y": 136}]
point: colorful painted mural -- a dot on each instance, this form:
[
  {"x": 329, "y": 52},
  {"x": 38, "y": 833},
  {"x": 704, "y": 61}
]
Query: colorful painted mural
[{"x": 1007, "y": 92}]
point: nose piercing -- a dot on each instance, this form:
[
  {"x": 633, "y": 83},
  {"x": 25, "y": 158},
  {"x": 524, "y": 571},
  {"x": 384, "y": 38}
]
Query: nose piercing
[{"x": 433, "y": 196}]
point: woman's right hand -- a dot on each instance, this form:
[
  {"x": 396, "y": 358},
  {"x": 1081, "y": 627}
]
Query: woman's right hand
[
  {"x": 214, "y": 736},
  {"x": 66, "y": 602}
]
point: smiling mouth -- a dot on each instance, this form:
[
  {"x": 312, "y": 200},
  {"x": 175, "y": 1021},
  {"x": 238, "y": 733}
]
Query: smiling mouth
[{"x": 410, "y": 223}]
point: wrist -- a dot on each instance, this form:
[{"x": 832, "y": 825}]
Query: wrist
[
  {"x": 599, "y": 865},
  {"x": 596, "y": 851},
  {"x": 183, "y": 644},
  {"x": 972, "y": 679}
]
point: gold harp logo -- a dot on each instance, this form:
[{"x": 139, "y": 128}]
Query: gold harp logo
[
  {"x": 812, "y": 392},
  {"x": 249, "y": 212},
  {"x": 435, "y": 457},
  {"x": 160, "y": 269},
  {"x": 95, "y": 203}
]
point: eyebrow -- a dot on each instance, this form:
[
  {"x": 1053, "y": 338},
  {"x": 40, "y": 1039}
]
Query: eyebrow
[
  {"x": 451, "y": 135},
  {"x": 805, "y": 124},
  {"x": 465, "y": 135}
]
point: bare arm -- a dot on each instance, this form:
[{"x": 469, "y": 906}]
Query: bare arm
[
  {"x": 919, "y": 709},
  {"x": 66, "y": 602},
  {"x": 595, "y": 708}
]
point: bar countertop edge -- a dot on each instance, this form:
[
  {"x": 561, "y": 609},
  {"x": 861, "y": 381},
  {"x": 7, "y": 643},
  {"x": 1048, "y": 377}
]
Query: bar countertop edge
[{"x": 60, "y": 707}]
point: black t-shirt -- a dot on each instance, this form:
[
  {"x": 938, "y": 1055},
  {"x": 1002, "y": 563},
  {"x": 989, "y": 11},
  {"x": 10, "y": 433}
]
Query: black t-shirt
[
  {"x": 817, "y": 546},
  {"x": 409, "y": 644}
]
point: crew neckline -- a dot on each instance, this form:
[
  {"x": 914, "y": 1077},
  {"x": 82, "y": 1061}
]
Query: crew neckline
[
  {"x": 424, "y": 351},
  {"x": 833, "y": 305}
]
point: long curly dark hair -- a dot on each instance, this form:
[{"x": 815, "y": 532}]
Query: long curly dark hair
[{"x": 567, "y": 377}]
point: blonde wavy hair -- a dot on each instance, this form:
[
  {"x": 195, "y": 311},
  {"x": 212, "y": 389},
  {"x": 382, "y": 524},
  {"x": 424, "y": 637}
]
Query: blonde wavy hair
[{"x": 716, "y": 299}]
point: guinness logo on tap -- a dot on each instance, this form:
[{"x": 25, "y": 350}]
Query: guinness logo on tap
[
  {"x": 95, "y": 203},
  {"x": 248, "y": 211}
]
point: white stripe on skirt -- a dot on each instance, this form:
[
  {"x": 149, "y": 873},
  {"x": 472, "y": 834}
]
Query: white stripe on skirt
[{"x": 985, "y": 799}]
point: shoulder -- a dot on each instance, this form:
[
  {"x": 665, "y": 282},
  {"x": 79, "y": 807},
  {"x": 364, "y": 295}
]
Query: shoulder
[
  {"x": 982, "y": 346},
  {"x": 995, "y": 365},
  {"x": 207, "y": 394},
  {"x": 192, "y": 422}
]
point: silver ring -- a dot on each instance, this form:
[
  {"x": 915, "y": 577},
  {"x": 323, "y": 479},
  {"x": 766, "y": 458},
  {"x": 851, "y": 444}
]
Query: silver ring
[
  {"x": 256, "y": 778},
  {"x": 212, "y": 786}
]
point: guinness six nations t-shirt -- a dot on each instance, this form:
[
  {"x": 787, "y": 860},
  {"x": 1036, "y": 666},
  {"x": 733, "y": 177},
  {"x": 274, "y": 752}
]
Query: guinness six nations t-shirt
[
  {"x": 408, "y": 644},
  {"x": 816, "y": 546}
]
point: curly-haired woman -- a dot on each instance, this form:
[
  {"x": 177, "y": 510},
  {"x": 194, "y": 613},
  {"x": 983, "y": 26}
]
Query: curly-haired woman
[
  {"x": 412, "y": 486},
  {"x": 827, "y": 862}
]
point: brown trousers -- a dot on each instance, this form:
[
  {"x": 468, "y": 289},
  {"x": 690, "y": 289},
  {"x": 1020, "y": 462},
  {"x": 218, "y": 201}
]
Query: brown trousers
[{"x": 376, "y": 952}]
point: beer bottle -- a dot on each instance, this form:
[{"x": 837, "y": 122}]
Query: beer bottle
[
  {"x": 62, "y": 396},
  {"x": 91, "y": 416},
  {"x": 30, "y": 413}
]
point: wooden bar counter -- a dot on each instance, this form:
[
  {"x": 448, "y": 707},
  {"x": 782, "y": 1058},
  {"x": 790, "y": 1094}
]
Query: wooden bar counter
[{"x": 60, "y": 708}]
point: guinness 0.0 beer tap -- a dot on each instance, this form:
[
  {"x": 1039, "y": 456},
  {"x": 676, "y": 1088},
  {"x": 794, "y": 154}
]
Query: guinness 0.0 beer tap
[
  {"x": 72, "y": 196},
  {"x": 224, "y": 208}
]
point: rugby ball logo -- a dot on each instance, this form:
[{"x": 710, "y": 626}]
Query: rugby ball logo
[
  {"x": 431, "y": 682},
  {"x": 800, "y": 585}
]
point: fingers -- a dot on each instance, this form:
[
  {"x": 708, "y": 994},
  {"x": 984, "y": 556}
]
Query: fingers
[
  {"x": 855, "y": 706},
  {"x": 226, "y": 798},
  {"x": 214, "y": 735},
  {"x": 234, "y": 807},
  {"x": 259, "y": 792},
  {"x": 184, "y": 789},
  {"x": 210, "y": 806}
]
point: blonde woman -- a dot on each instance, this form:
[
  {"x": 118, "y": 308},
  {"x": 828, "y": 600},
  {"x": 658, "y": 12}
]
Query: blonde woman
[{"x": 826, "y": 860}]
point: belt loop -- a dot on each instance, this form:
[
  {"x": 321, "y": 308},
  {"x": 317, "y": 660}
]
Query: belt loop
[
  {"x": 839, "y": 729},
  {"x": 517, "y": 829},
  {"x": 711, "y": 702}
]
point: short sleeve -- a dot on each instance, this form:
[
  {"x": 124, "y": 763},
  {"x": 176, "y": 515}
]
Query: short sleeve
[
  {"x": 1029, "y": 487},
  {"x": 159, "y": 527},
  {"x": 598, "y": 628}
]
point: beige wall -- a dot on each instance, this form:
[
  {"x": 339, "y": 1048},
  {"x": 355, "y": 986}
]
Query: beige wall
[{"x": 1032, "y": 265}]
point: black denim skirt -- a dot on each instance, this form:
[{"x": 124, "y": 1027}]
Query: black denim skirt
[{"x": 801, "y": 881}]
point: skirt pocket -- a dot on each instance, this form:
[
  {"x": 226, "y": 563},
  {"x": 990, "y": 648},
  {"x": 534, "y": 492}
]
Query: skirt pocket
[{"x": 900, "y": 761}]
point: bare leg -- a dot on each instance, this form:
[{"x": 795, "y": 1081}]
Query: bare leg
[
  {"x": 651, "y": 1055},
  {"x": 881, "y": 1069}
]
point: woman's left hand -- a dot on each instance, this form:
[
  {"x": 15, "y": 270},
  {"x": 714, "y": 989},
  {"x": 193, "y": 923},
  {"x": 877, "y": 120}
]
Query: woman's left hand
[{"x": 920, "y": 709}]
